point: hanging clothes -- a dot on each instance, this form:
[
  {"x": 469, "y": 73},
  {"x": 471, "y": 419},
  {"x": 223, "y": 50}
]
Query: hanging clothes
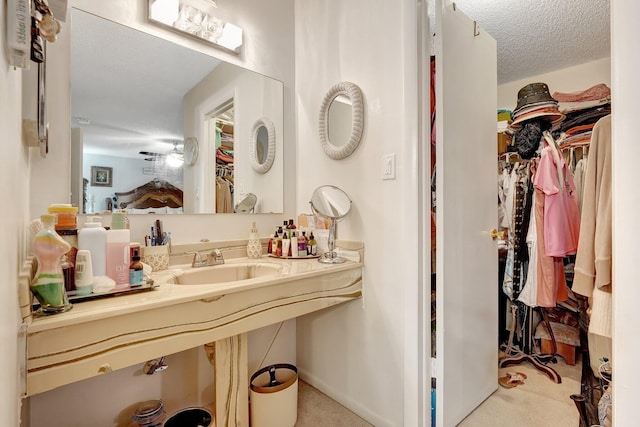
[
  {"x": 561, "y": 211},
  {"x": 517, "y": 205},
  {"x": 223, "y": 196},
  {"x": 529, "y": 294},
  {"x": 593, "y": 260}
]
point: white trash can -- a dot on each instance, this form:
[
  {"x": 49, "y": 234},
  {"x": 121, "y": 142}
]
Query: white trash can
[{"x": 274, "y": 396}]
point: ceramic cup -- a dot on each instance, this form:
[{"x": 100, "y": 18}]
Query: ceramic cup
[{"x": 156, "y": 256}]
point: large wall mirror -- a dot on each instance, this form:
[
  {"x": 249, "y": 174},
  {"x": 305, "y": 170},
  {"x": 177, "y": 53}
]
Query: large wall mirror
[{"x": 136, "y": 99}]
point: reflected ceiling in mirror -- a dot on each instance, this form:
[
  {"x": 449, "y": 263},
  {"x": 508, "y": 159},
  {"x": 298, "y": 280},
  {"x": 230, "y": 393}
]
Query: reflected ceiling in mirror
[{"x": 129, "y": 92}]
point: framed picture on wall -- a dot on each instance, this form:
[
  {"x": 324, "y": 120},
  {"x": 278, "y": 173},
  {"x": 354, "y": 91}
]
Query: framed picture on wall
[{"x": 101, "y": 176}]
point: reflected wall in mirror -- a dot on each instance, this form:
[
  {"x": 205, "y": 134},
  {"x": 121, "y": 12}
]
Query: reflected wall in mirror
[
  {"x": 341, "y": 120},
  {"x": 134, "y": 100}
]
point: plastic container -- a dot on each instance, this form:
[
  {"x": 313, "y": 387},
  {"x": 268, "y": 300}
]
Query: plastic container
[
  {"x": 274, "y": 396},
  {"x": 118, "y": 252},
  {"x": 93, "y": 237},
  {"x": 149, "y": 414},
  {"x": 66, "y": 216},
  {"x": 48, "y": 285}
]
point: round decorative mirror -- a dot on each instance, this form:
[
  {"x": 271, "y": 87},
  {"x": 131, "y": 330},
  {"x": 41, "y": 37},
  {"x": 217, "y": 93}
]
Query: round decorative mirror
[
  {"x": 330, "y": 202},
  {"x": 263, "y": 145},
  {"x": 341, "y": 120}
]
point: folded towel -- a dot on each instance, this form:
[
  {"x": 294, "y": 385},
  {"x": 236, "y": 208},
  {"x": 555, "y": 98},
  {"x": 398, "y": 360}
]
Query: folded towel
[
  {"x": 353, "y": 256},
  {"x": 102, "y": 284}
]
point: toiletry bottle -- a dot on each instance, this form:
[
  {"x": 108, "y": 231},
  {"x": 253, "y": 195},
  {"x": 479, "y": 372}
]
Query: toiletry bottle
[
  {"x": 93, "y": 238},
  {"x": 286, "y": 246},
  {"x": 48, "y": 285},
  {"x": 311, "y": 245},
  {"x": 290, "y": 228},
  {"x": 84, "y": 273},
  {"x": 254, "y": 246},
  {"x": 136, "y": 274},
  {"x": 71, "y": 237},
  {"x": 270, "y": 244},
  {"x": 279, "y": 236},
  {"x": 69, "y": 272},
  {"x": 118, "y": 252},
  {"x": 302, "y": 244},
  {"x": 294, "y": 244},
  {"x": 285, "y": 225}
]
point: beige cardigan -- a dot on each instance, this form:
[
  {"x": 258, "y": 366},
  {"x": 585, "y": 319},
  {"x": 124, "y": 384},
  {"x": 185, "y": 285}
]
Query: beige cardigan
[{"x": 593, "y": 259}]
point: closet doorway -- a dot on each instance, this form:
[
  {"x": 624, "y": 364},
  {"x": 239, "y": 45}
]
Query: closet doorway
[
  {"x": 454, "y": 352},
  {"x": 220, "y": 125},
  {"x": 465, "y": 213}
]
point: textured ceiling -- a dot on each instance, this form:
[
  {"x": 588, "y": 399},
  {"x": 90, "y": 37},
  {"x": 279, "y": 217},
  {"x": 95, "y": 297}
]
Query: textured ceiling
[{"x": 538, "y": 36}]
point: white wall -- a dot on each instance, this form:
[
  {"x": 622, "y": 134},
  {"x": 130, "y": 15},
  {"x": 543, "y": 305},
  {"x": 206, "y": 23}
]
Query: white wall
[
  {"x": 14, "y": 184},
  {"x": 626, "y": 204},
  {"x": 571, "y": 79},
  {"x": 358, "y": 353}
]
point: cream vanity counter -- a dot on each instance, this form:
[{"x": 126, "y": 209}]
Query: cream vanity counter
[{"x": 107, "y": 334}]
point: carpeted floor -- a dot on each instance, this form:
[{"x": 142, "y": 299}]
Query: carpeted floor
[
  {"x": 538, "y": 402},
  {"x": 316, "y": 409}
]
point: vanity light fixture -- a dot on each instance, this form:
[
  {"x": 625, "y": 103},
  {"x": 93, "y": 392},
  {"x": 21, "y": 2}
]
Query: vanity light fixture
[{"x": 196, "y": 18}]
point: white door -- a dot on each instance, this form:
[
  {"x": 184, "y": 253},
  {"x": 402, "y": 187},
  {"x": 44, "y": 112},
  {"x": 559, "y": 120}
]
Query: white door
[{"x": 466, "y": 193}]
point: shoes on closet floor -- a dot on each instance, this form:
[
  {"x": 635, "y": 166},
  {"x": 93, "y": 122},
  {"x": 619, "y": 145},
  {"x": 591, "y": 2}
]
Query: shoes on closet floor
[{"x": 512, "y": 379}]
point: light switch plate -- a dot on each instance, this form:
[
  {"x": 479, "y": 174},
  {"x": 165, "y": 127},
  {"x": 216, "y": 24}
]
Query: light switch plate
[{"x": 389, "y": 166}]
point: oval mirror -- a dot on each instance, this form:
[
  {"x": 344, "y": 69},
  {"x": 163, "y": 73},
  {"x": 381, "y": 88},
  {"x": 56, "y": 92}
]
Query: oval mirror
[
  {"x": 333, "y": 203},
  {"x": 263, "y": 145},
  {"x": 341, "y": 120}
]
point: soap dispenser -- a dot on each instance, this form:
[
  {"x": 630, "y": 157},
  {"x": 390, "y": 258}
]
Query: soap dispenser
[{"x": 254, "y": 246}]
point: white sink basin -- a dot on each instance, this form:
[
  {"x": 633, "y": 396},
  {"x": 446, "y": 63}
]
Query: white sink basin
[{"x": 226, "y": 273}]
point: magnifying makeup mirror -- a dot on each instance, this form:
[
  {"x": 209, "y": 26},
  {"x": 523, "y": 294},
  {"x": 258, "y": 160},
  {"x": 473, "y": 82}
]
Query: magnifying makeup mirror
[
  {"x": 332, "y": 203},
  {"x": 247, "y": 205}
]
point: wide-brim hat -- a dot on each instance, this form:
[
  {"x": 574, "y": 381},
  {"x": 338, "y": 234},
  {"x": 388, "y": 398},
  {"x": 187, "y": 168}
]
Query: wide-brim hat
[
  {"x": 551, "y": 114},
  {"x": 534, "y": 93}
]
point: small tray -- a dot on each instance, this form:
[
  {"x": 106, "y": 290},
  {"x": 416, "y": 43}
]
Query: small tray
[
  {"x": 113, "y": 293},
  {"x": 294, "y": 257}
]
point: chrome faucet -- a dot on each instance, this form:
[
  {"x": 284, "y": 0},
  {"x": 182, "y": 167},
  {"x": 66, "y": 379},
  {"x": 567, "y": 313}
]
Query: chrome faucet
[
  {"x": 213, "y": 258},
  {"x": 197, "y": 260}
]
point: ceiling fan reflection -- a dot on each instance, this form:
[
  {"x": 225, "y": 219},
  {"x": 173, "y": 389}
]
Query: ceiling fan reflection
[{"x": 173, "y": 158}]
